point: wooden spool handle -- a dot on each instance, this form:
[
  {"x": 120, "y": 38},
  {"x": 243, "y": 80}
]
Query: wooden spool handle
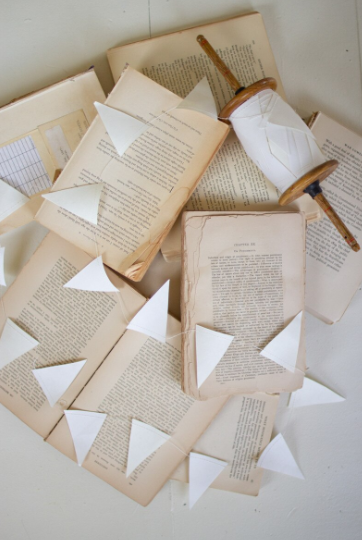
[{"x": 221, "y": 66}]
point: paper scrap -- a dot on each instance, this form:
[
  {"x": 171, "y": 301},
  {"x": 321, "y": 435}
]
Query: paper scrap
[
  {"x": 203, "y": 470},
  {"x": 84, "y": 427},
  {"x": 55, "y": 380},
  {"x": 210, "y": 348},
  {"x": 10, "y": 200},
  {"x": 2, "y": 267},
  {"x": 83, "y": 201},
  {"x": 200, "y": 99},
  {"x": 144, "y": 440},
  {"x": 59, "y": 145},
  {"x": 313, "y": 393},
  {"x": 14, "y": 342},
  {"x": 277, "y": 457},
  {"x": 92, "y": 278},
  {"x": 283, "y": 349},
  {"x": 152, "y": 317},
  {"x": 122, "y": 128}
]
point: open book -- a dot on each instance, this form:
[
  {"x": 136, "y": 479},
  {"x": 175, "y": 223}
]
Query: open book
[
  {"x": 243, "y": 275},
  {"x": 334, "y": 272},
  {"x": 38, "y": 134},
  {"x": 146, "y": 187},
  {"x": 176, "y": 61}
]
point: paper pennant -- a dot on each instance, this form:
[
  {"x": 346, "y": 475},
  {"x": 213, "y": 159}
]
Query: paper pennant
[
  {"x": 277, "y": 457},
  {"x": 84, "y": 427},
  {"x": 55, "y": 380},
  {"x": 200, "y": 99},
  {"x": 83, "y": 201},
  {"x": 122, "y": 128},
  {"x": 210, "y": 348},
  {"x": 2, "y": 266},
  {"x": 14, "y": 342},
  {"x": 144, "y": 440},
  {"x": 283, "y": 349},
  {"x": 203, "y": 470},
  {"x": 152, "y": 317},
  {"x": 313, "y": 393},
  {"x": 10, "y": 200},
  {"x": 92, "y": 278}
]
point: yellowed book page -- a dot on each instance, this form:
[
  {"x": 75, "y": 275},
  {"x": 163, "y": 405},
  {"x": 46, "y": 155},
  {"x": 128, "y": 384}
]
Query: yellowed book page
[
  {"x": 243, "y": 274},
  {"x": 139, "y": 379},
  {"x": 233, "y": 181},
  {"x": 69, "y": 325},
  {"x": 334, "y": 271},
  {"x": 146, "y": 188},
  {"x": 238, "y": 435}
]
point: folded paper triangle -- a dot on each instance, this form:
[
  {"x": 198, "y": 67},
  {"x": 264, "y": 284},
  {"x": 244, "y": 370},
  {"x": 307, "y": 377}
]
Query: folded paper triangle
[
  {"x": 144, "y": 440},
  {"x": 10, "y": 200},
  {"x": 83, "y": 201},
  {"x": 152, "y": 317},
  {"x": 313, "y": 393},
  {"x": 2, "y": 267},
  {"x": 278, "y": 458},
  {"x": 122, "y": 128},
  {"x": 200, "y": 99},
  {"x": 84, "y": 427},
  {"x": 210, "y": 348},
  {"x": 203, "y": 470},
  {"x": 55, "y": 380},
  {"x": 283, "y": 349},
  {"x": 92, "y": 278},
  {"x": 14, "y": 342}
]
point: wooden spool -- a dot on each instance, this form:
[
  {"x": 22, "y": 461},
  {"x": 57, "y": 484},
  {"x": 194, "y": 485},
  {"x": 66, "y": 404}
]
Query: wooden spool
[{"x": 309, "y": 183}]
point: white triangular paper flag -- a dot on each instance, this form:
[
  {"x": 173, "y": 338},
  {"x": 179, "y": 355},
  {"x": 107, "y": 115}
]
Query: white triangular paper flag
[
  {"x": 84, "y": 427},
  {"x": 202, "y": 472},
  {"x": 283, "y": 349},
  {"x": 55, "y": 380},
  {"x": 10, "y": 200},
  {"x": 83, "y": 201},
  {"x": 152, "y": 317},
  {"x": 278, "y": 458},
  {"x": 210, "y": 348},
  {"x": 313, "y": 393},
  {"x": 122, "y": 128},
  {"x": 144, "y": 440},
  {"x": 200, "y": 99},
  {"x": 14, "y": 342},
  {"x": 2, "y": 267},
  {"x": 92, "y": 278}
]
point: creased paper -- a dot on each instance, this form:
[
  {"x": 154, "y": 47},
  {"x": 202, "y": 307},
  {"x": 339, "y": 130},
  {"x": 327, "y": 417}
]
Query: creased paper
[
  {"x": 203, "y": 470},
  {"x": 278, "y": 458},
  {"x": 83, "y": 201},
  {"x": 92, "y": 278},
  {"x": 144, "y": 440},
  {"x": 14, "y": 342},
  {"x": 10, "y": 200},
  {"x": 84, "y": 427},
  {"x": 2, "y": 267},
  {"x": 210, "y": 348},
  {"x": 200, "y": 99},
  {"x": 152, "y": 317},
  {"x": 283, "y": 349},
  {"x": 55, "y": 380},
  {"x": 313, "y": 393}
]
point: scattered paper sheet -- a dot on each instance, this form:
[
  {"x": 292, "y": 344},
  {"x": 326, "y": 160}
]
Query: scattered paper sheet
[
  {"x": 83, "y": 201},
  {"x": 84, "y": 427},
  {"x": 313, "y": 393},
  {"x": 10, "y": 200},
  {"x": 210, "y": 348},
  {"x": 2, "y": 267},
  {"x": 283, "y": 349},
  {"x": 144, "y": 440},
  {"x": 14, "y": 342},
  {"x": 92, "y": 278},
  {"x": 200, "y": 99},
  {"x": 55, "y": 380},
  {"x": 59, "y": 145},
  {"x": 277, "y": 457},
  {"x": 122, "y": 128},
  {"x": 152, "y": 317},
  {"x": 203, "y": 470}
]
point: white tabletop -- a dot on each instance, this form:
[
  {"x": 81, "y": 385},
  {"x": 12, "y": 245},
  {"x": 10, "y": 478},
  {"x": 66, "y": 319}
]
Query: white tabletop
[{"x": 318, "y": 46}]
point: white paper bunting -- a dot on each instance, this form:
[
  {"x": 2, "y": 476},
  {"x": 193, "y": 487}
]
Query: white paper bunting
[
  {"x": 14, "y": 342},
  {"x": 55, "y": 380},
  {"x": 92, "y": 278},
  {"x": 84, "y": 427},
  {"x": 152, "y": 317},
  {"x": 200, "y": 99},
  {"x": 144, "y": 440},
  {"x": 283, "y": 349},
  {"x": 210, "y": 348},
  {"x": 83, "y": 201},
  {"x": 10, "y": 200},
  {"x": 203, "y": 470},
  {"x": 313, "y": 393},
  {"x": 278, "y": 458}
]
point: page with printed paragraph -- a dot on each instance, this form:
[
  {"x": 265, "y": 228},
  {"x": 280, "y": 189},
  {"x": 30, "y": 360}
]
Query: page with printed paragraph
[
  {"x": 140, "y": 379},
  {"x": 243, "y": 275},
  {"x": 69, "y": 325}
]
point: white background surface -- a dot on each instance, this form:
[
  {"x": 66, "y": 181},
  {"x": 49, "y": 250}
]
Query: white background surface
[{"x": 317, "y": 45}]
